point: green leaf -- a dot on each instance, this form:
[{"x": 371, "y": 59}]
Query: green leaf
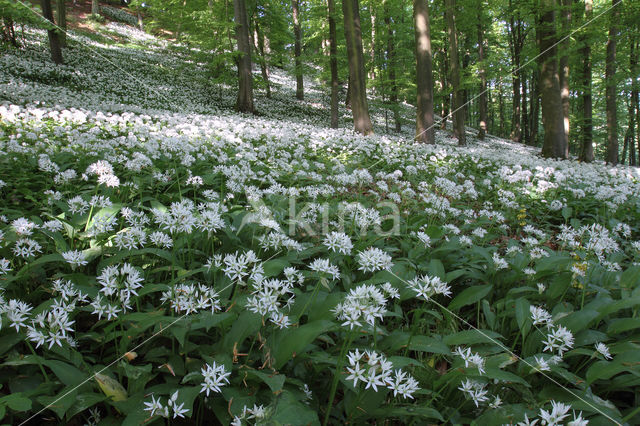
[
  {"x": 470, "y": 337},
  {"x": 16, "y": 402},
  {"x": 523, "y": 315},
  {"x": 410, "y": 411},
  {"x": 621, "y": 325},
  {"x": 68, "y": 374},
  {"x": 111, "y": 387},
  {"x": 274, "y": 381},
  {"x": 469, "y": 296},
  {"x": 290, "y": 411},
  {"x": 290, "y": 342},
  {"x": 436, "y": 268}
]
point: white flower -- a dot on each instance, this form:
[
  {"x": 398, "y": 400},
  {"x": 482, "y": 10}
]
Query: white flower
[
  {"x": 323, "y": 266},
  {"x": 603, "y": 350},
  {"x": 74, "y": 258},
  {"x": 214, "y": 377},
  {"x": 338, "y": 242},
  {"x": 427, "y": 287},
  {"x": 554, "y": 417},
  {"x": 559, "y": 339},
  {"x": 470, "y": 358},
  {"x": 373, "y": 259},
  {"x": 540, "y": 316},
  {"x": 154, "y": 406},
  {"x": 4, "y": 266}
]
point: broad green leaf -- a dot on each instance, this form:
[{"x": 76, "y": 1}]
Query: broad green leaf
[
  {"x": 111, "y": 387},
  {"x": 290, "y": 342},
  {"x": 469, "y": 296}
]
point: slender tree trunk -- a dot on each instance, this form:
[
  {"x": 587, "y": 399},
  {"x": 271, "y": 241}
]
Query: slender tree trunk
[
  {"x": 483, "y": 79},
  {"x": 61, "y": 17},
  {"x": 610, "y": 80},
  {"x": 297, "y": 31},
  {"x": 458, "y": 106},
  {"x": 446, "y": 97},
  {"x": 535, "y": 109},
  {"x": 244, "y": 102},
  {"x": 424, "y": 73},
  {"x": 515, "y": 47},
  {"x": 391, "y": 66},
  {"x": 54, "y": 36},
  {"x": 564, "y": 68},
  {"x": 524, "y": 138},
  {"x": 372, "y": 47},
  {"x": 553, "y": 145},
  {"x": 501, "y": 128},
  {"x": 333, "y": 63},
  {"x": 357, "y": 77},
  {"x": 264, "y": 66},
  {"x": 633, "y": 67},
  {"x": 95, "y": 7},
  {"x": 586, "y": 102}
]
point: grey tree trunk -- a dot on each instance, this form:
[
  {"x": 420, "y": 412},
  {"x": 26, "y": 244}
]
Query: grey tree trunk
[
  {"x": 610, "y": 79},
  {"x": 297, "y": 31},
  {"x": 552, "y": 119},
  {"x": 264, "y": 66},
  {"x": 482, "y": 107},
  {"x": 458, "y": 106},
  {"x": 333, "y": 63},
  {"x": 424, "y": 73},
  {"x": 564, "y": 67},
  {"x": 54, "y": 35},
  {"x": 357, "y": 77},
  {"x": 586, "y": 102},
  {"x": 61, "y": 17},
  {"x": 95, "y": 7},
  {"x": 244, "y": 102},
  {"x": 391, "y": 56}
]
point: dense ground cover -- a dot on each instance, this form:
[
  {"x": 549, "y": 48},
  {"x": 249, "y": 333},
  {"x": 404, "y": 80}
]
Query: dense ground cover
[{"x": 205, "y": 264}]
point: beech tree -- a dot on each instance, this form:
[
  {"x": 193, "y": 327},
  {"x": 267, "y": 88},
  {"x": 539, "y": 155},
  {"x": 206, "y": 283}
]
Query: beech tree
[
  {"x": 53, "y": 33},
  {"x": 586, "y": 102},
  {"x": 454, "y": 67},
  {"x": 424, "y": 70},
  {"x": 244, "y": 102},
  {"x": 333, "y": 62},
  {"x": 357, "y": 76},
  {"x": 297, "y": 31},
  {"x": 552, "y": 117},
  {"x": 610, "y": 77}
]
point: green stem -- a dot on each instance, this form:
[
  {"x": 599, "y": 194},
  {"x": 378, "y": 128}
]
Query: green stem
[
  {"x": 44, "y": 373},
  {"x": 336, "y": 376}
]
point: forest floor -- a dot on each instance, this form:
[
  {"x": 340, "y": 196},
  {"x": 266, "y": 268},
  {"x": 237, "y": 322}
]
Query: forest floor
[{"x": 162, "y": 256}]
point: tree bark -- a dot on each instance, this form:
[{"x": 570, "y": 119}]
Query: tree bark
[
  {"x": 357, "y": 76},
  {"x": 391, "y": 56},
  {"x": 458, "y": 106},
  {"x": 552, "y": 119},
  {"x": 586, "y": 101},
  {"x": 244, "y": 102},
  {"x": 333, "y": 63},
  {"x": 501, "y": 127},
  {"x": 515, "y": 42},
  {"x": 446, "y": 97},
  {"x": 61, "y": 17},
  {"x": 264, "y": 66},
  {"x": 535, "y": 109},
  {"x": 524, "y": 136},
  {"x": 482, "y": 107},
  {"x": 633, "y": 122},
  {"x": 95, "y": 7},
  {"x": 610, "y": 79},
  {"x": 564, "y": 68},
  {"x": 54, "y": 35},
  {"x": 297, "y": 31},
  {"x": 424, "y": 73}
]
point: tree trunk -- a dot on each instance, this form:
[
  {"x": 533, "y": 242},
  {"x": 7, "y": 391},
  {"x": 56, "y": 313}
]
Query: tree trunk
[
  {"x": 244, "y": 102},
  {"x": 297, "y": 31},
  {"x": 446, "y": 97},
  {"x": 586, "y": 102},
  {"x": 516, "y": 48},
  {"x": 333, "y": 63},
  {"x": 500, "y": 109},
  {"x": 264, "y": 67},
  {"x": 61, "y": 17},
  {"x": 54, "y": 35},
  {"x": 458, "y": 106},
  {"x": 535, "y": 109},
  {"x": 357, "y": 77},
  {"x": 552, "y": 118},
  {"x": 424, "y": 73},
  {"x": 372, "y": 47},
  {"x": 524, "y": 136},
  {"x": 391, "y": 57},
  {"x": 95, "y": 7},
  {"x": 610, "y": 80},
  {"x": 633, "y": 67},
  {"x": 564, "y": 67},
  {"x": 483, "y": 80}
]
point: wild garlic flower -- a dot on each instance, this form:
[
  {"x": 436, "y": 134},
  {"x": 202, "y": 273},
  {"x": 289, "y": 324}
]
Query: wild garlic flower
[
  {"x": 52, "y": 326},
  {"x": 603, "y": 350},
  {"x": 499, "y": 262},
  {"x": 118, "y": 284},
  {"x": 324, "y": 267},
  {"x": 540, "y": 316},
  {"x": 16, "y": 311},
  {"x": 5, "y": 266},
  {"x": 191, "y": 298},
  {"x": 214, "y": 376},
  {"x": 364, "y": 302},
  {"x": 236, "y": 266},
  {"x": 338, "y": 242},
  {"x": 560, "y": 339},
  {"x": 269, "y": 297},
  {"x": 375, "y": 370},
  {"x": 475, "y": 391},
  {"x": 161, "y": 239},
  {"x": 556, "y": 415},
  {"x": 426, "y": 287},
  {"x": 23, "y": 226},
  {"x": 26, "y": 247},
  {"x": 77, "y": 205},
  {"x": 470, "y": 358},
  {"x": 171, "y": 409},
  {"x": 373, "y": 259},
  {"x": 74, "y": 258}
]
